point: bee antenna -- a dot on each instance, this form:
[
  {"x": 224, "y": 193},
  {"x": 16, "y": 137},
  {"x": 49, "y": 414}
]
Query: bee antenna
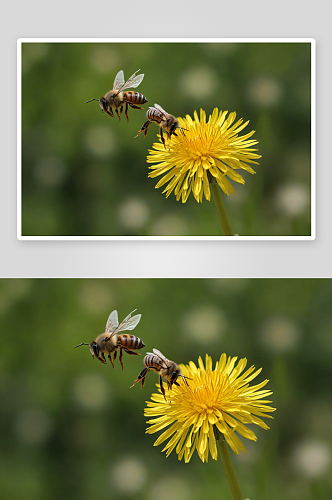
[
  {"x": 91, "y": 100},
  {"x": 80, "y": 345}
]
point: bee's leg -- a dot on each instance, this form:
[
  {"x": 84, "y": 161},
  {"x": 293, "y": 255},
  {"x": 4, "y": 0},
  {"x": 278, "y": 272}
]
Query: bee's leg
[
  {"x": 117, "y": 112},
  {"x": 162, "y": 388},
  {"x": 101, "y": 358},
  {"x": 120, "y": 357},
  {"x": 128, "y": 351},
  {"x": 133, "y": 105},
  {"x": 141, "y": 377},
  {"x": 126, "y": 111},
  {"x": 110, "y": 358},
  {"x": 110, "y": 112},
  {"x": 163, "y": 141},
  {"x": 169, "y": 385},
  {"x": 114, "y": 355},
  {"x": 144, "y": 128}
]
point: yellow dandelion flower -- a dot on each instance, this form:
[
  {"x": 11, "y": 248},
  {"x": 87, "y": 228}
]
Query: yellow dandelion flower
[
  {"x": 214, "y": 401},
  {"x": 206, "y": 152}
]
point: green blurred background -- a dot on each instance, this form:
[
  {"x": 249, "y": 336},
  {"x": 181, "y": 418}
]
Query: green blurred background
[
  {"x": 85, "y": 175},
  {"x": 71, "y": 428}
]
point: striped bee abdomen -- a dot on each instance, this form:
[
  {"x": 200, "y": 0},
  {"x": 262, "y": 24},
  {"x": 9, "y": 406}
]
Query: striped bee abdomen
[
  {"x": 130, "y": 341},
  {"x": 151, "y": 361},
  {"x": 154, "y": 115},
  {"x": 134, "y": 97}
]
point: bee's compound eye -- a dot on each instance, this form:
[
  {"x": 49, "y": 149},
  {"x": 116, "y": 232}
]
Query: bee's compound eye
[
  {"x": 94, "y": 350},
  {"x": 102, "y": 103}
]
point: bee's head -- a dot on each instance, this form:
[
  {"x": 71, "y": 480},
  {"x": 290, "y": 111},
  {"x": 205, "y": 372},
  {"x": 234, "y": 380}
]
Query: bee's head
[
  {"x": 175, "y": 375},
  {"x": 174, "y": 127},
  {"x": 103, "y": 104},
  {"x": 94, "y": 349}
]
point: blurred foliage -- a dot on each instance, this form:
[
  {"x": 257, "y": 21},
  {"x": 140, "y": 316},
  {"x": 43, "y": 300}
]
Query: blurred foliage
[
  {"x": 85, "y": 175},
  {"x": 72, "y": 428}
]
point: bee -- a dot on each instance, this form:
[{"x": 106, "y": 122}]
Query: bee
[
  {"x": 110, "y": 341},
  {"x": 116, "y": 97},
  {"x": 157, "y": 362},
  {"x": 164, "y": 120}
]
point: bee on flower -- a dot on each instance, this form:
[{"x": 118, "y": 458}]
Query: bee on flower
[
  {"x": 213, "y": 402},
  {"x": 166, "y": 368},
  {"x": 209, "y": 151},
  {"x": 165, "y": 121}
]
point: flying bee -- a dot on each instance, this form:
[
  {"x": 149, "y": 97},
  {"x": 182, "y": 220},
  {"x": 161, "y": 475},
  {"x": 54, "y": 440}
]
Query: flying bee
[
  {"x": 116, "y": 97},
  {"x": 164, "y": 120},
  {"x": 110, "y": 341},
  {"x": 157, "y": 362}
]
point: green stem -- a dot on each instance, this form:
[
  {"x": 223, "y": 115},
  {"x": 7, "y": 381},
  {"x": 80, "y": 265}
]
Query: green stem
[
  {"x": 216, "y": 193},
  {"x": 228, "y": 466}
]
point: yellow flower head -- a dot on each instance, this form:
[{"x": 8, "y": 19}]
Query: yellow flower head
[
  {"x": 214, "y": 399},
  {"x": 205, "y": 152}
]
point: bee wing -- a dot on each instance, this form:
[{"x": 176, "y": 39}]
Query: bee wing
[
  {"x": 133, "y": 81},
  {"x": 112, "y": 322},
  {"x": 119, "y": 80},
  {"x": 161, "y": 110},
  {"x": 161, "y": 356},
  {"x": 128, "y": 323}
]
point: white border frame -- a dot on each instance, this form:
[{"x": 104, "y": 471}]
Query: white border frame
[{"x": 20, "y": 41}]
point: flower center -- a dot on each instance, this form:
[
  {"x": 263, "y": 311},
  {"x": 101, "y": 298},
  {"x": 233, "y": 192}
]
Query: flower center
[
  {"x": 206, "y": 394},
  {"x": 201, "y": 143},
  {"x": 198, "y": 148}
]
